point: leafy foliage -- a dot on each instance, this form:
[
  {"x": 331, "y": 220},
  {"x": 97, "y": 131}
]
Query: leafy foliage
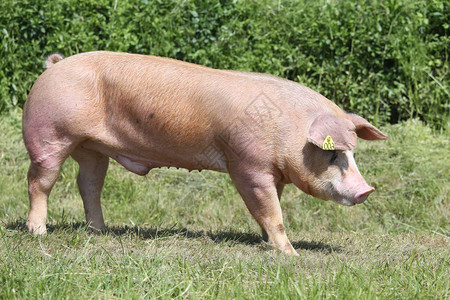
[{"x": 387, "y": 60}]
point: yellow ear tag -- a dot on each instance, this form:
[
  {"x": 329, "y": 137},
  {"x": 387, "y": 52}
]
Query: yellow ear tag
[{"x": 328, "y": 144}]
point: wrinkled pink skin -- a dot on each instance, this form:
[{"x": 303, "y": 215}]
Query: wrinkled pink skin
[{"x": 147, "y": 112}]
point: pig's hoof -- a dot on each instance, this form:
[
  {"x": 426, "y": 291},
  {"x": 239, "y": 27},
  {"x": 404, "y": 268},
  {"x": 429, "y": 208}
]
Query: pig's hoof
[
  {"x": 286, "y": 250},
  {"x": 292, "y": 253},
  {"x": 36, "y": 228},
  {"x": 289, "y": 250}
]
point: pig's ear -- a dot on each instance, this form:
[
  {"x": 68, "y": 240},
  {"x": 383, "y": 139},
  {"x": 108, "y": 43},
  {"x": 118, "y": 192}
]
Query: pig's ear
[
  {"x": 329, "y": 132},
  {"x": 365, "y": 130}
]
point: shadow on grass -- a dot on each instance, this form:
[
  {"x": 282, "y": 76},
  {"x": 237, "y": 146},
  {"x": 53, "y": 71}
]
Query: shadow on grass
[{"x": 229, "y": 235}]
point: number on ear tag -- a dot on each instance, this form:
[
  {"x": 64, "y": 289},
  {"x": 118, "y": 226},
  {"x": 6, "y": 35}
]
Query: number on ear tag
[{"x": 328, "y": 144}]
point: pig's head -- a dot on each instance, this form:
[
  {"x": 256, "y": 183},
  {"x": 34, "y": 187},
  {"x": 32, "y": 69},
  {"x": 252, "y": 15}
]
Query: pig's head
[{"x": 330, "y": 170}]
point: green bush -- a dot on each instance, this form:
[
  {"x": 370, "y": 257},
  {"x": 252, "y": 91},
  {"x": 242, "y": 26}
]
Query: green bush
[{"x": 387, "y": 60}]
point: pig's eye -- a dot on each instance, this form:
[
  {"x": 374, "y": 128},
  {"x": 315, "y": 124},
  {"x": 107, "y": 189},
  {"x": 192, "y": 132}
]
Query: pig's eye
[{"x": 333, "y": 157}]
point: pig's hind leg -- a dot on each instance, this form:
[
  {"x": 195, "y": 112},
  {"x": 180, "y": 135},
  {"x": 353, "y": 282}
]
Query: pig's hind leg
[
  {"x": 47, "y": 156},
  {"x": 260, "y": 194},
  {"x": 40, "y": 183},
  {"x": 90, "y": 179}
]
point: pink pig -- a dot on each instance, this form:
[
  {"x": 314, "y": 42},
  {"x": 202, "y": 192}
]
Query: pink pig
[{"x": 148, "y": 112}]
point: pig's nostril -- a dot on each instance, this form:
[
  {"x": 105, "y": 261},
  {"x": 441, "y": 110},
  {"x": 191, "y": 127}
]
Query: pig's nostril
[{"x": 361, "y": 197}]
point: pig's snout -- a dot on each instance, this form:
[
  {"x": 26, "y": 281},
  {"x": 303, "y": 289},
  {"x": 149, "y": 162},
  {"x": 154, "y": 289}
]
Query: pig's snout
[
  {"x": 357, "y": 195},
  {"x": 361, "y": 196},
  {"x": 352, "y": 189}
]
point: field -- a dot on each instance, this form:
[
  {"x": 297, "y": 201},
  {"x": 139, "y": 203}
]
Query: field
[{"x": 174, "y": 234}]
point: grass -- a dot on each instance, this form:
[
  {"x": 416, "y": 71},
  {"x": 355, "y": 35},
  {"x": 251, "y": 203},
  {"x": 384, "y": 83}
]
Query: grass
[{"x": 174, "y": 234}]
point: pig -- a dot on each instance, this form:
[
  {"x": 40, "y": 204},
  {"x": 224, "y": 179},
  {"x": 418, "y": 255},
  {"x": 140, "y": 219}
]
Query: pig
[{"x": 149, "y": 112}]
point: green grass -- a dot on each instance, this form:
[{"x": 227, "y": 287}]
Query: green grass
[{"x": 174, "y": 234}]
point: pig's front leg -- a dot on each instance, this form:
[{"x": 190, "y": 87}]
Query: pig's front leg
[
  {"x": 260, "y": 194},
  {"x": 280, "y": 187}
]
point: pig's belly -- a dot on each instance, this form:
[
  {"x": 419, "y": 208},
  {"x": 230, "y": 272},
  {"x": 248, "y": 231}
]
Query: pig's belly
[{"x": 141, "y": 163}]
